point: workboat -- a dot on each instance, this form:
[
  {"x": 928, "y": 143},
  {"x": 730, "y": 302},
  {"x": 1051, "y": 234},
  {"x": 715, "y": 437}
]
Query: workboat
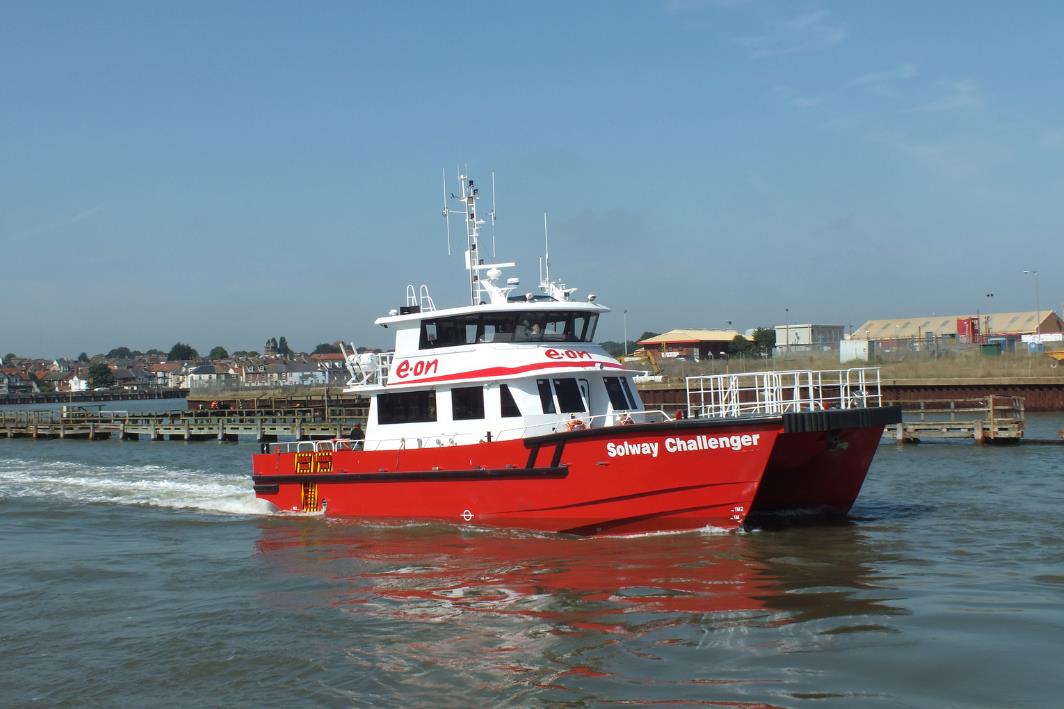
[{"x": 505, "y": 412}]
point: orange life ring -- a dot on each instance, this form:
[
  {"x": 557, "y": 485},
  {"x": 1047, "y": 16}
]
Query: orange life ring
[{"x": 575, "y": 424}]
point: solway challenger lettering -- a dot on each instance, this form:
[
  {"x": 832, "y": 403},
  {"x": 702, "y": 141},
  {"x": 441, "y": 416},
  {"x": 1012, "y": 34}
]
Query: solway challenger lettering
[{"x": 675, "y": 444}]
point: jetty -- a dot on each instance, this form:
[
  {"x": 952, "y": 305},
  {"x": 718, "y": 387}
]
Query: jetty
[
  {"x": 994, "y": 419},
  {"x": 221, "y": 425}
]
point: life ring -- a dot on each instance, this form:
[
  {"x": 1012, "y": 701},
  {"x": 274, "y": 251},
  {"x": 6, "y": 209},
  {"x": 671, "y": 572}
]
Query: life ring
[
  {"x": 626, "y": 420},
  {"x": 575, "y": 424}
]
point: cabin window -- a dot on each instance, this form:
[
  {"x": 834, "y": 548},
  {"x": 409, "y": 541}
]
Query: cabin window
[
  {"x": 508, "y": 327},
  {"x": 496, "y": 328},
  {"x": 467, "y": 403},
  {"x": 406, "y": 407},
  {"x": 546, "y": 399},
  {"x": 613, "y": 389},
  {"x": 628, "y": 391},
  {"x": 569, "y": 399},
  {"x": 506, "y": 399}
]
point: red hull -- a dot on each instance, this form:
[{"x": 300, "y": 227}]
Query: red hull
[
  {"x": 821, "y": 470},
  {"x": 619, "y": 480},
  {"x": 657, "y": 478}
]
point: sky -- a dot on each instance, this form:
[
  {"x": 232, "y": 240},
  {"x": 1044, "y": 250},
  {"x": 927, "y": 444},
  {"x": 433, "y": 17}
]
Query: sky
[{"x": 222, "y": 173}]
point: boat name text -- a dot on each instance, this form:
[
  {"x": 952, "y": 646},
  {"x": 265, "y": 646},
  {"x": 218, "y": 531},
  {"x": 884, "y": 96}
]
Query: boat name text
[{"x": 674, "y": 444}]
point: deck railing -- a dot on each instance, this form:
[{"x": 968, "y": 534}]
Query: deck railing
[{"x": 776, "y": 393}]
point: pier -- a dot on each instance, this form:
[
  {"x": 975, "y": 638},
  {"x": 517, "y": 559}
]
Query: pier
[
  {"x": 182, "y": 425},
  {"x": 994, "y": 419}
]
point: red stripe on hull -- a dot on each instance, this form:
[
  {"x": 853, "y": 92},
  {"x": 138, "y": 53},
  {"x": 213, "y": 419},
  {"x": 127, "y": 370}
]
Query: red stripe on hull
[
  {"x": 825, "y": 469},
  {"x": 650, "y": 483}
]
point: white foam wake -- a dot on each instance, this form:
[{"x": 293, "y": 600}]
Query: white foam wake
[{"x": 148, "y": 485}]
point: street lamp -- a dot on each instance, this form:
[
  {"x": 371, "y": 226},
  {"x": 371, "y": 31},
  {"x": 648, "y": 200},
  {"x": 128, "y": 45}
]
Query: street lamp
[
  {"x": 1037, "y": 306},
  {"x": 990, "y": 307},
  {"x": 787, "y": 329}
]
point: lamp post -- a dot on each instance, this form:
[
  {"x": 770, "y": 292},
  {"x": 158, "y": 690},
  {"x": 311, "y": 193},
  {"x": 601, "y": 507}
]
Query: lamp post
[
  {"x": 626, "y": 332},
  {"x": 1037, "y": 306},
  {"x": 990, "y": 307},
  {"x": 787, "y": 328}
]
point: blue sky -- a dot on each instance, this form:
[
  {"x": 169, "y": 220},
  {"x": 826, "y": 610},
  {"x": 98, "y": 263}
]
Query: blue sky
[{"x": 219, "y": 173}]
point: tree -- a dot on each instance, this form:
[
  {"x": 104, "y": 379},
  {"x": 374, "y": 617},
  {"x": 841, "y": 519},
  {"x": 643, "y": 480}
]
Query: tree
[
  {"x": 100, "y": 375},
  {"x": 740, "y": 345},
  {"x": 218, "y": 353},
  {"x": 83, "y": 357},
  {"x": 765, "y": 339},
  {"x": 120, "y": 353},
  {"x": 326, "y": 348},
  {"x": 282, "y": 346},
  {"x": 647, "y": 335},
  {"x": 181, "y": 351},
  {"x": 8, "y": 357},
  {"x": 154, "y": 351}
]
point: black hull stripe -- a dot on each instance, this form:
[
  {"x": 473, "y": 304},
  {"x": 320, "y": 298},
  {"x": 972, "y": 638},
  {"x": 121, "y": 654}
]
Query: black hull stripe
[
  {"x": 622, "y": 498},
  {"x": 420, "y": 476}
]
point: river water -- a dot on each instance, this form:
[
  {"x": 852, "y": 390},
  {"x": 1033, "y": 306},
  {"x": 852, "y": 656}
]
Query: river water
[{"x": 146, "y": 573}]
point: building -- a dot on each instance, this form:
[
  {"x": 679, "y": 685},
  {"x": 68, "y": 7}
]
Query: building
[
  {"x": 968, "y": 328},
  {"x": 808, "y": 338},
  {"x": 691, "y": 344}
]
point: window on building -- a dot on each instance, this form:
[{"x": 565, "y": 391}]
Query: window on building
[
  {"x": 467, "y": 403},
  {"x": 509, "y": 406},
  {"x": 546, "y": 399},
  {"x": 569, "y": 399},
  {"x": 406, "y": 407}
]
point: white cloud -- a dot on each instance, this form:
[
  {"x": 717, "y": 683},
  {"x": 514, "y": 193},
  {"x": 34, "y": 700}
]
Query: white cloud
[
  {"x": 908, "y": 70},
  {"x": 809, "y": 32},
  {"x": 963, "y": 95}
]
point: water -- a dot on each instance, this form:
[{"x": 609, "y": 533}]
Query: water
[{"x": 141, "y": 573}]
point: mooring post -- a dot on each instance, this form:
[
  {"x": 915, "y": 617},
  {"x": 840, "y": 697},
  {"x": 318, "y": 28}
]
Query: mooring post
[
  {"x": 979, "y": 433},
  {"x": 899, "y": 434}
]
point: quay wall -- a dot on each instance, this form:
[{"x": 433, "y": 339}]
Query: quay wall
[{"x": 82, "y": 397}]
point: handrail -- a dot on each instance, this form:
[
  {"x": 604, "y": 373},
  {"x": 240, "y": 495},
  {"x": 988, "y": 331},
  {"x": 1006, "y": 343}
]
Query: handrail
[
  {"x": 452, "y": 439},
  {"x": 779, "y": 392}
]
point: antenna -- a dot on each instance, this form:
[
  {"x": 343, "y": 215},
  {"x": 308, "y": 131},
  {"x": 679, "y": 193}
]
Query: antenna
[
  {"x": 446, "y": 212},
  {"x": 546, "y": 250},
  {"x": 493, "y": 214}
]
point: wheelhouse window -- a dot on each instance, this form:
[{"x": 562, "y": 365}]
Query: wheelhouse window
[
  {"x": 628, "y": 392},
  {"x": 617, "y": 398},
  {"x": 406, "y": 407},
  {"x": 506, "y": 400},
  {"x": 569, "y": 399},
  {"x": 467, "y": 403},
  {"x": 523, "y": 326},
  {"x": 546, "y": 398}
]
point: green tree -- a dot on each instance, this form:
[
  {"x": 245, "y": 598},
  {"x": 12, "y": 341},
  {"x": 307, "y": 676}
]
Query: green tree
[
  {"x": 282, "y": 346},
  {"x": 181, "y": 351},
  {"x": 740, "y": 345},
  {"x": 83, "y": 357},
  {"x": 765, "y": 339},
  {"x": 154, "y": 351},
  {"x": 8, "y": 357},
  {"x": 120, "y": 353},
  {"x": 326, "y": 348},
  {"x": 100, "y": 375},
  {"x": 647, "y": 335},
  {"x": 218, "y": 353}
]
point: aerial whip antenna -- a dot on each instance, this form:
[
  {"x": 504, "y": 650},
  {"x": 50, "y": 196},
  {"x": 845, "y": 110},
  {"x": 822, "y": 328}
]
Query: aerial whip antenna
[
  {"x": 493, "y": 214},
  {"x": 446, "y": 212}
]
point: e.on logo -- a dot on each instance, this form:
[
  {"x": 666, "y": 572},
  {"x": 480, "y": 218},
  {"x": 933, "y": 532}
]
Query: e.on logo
[
  {"x": 552, "y": 353},
  {"x": 420, "y": 368}
]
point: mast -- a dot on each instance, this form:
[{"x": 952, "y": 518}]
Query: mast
[{"x": 468, "y": 194}]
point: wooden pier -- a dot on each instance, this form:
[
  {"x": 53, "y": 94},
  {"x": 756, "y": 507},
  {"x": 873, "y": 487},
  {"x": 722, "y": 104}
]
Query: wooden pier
[
  {"x": 995, "y": 419},
  {"x": 182, "y": 425}
]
